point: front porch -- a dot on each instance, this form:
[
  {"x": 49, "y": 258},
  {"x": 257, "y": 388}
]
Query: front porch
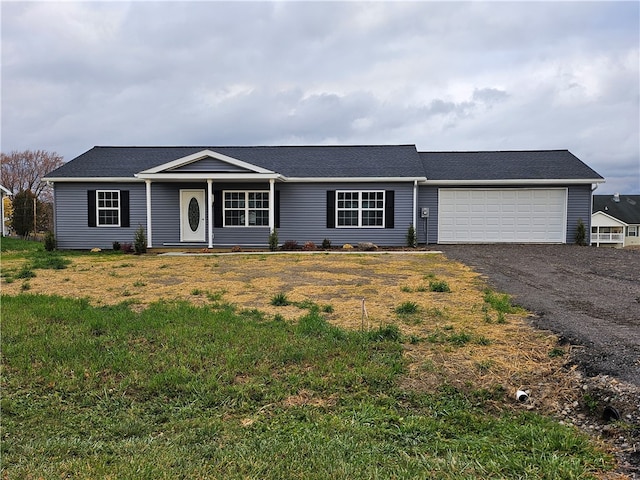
[
  {"x": 607, "y": 231},
  {"x": 607, "y": 235}
]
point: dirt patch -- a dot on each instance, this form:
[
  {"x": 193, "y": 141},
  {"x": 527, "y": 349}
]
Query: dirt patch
[{"x": 588, "y": 296}]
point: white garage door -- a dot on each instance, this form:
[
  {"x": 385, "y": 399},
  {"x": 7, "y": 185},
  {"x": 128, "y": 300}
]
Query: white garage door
[{"x": 492, "y": 215}]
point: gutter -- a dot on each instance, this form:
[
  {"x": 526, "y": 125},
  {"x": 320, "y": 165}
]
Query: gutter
[{"x": 519, "y": 182}]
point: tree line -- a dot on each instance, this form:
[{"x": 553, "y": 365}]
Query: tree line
[{"x": 21, "y": 173}]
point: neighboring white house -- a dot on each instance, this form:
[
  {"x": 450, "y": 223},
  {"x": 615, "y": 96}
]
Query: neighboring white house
[
  {"x": 4, "y": 192},
  {"x": 615, "y": 221}
]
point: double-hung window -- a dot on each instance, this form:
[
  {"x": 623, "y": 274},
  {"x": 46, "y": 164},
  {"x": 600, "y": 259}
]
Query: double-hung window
[
  {"x": 246, "y": 209},
  {"x": 632, "y": 231},
  {"x": 360, "y": 209},
  {"x": 108, "y": 208}
]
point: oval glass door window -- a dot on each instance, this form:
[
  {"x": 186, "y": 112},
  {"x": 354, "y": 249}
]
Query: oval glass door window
[{"x": 194, "y": 214}]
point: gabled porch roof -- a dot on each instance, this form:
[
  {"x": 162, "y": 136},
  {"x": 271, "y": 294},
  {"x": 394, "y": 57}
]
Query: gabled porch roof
[{"x": 601, "y": 219}]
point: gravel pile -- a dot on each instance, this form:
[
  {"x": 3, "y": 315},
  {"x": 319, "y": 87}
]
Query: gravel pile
[{"x": 609, "y": 410}]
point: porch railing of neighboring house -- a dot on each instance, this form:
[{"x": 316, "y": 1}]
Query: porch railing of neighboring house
[{"x": 607, "y": 237}]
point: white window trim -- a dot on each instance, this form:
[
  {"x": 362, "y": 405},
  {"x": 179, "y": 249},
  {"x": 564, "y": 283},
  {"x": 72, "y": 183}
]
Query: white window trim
[
  {"x": 246, "y": 208},
  {"x": 634, "y": 229},
  {"x": 99, "y": 209},
  {"x": 360, "y": 209}
]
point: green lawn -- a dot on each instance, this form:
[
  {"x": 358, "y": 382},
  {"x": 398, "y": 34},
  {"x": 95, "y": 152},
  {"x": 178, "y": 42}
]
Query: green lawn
[{"x": 179, "y": 391}]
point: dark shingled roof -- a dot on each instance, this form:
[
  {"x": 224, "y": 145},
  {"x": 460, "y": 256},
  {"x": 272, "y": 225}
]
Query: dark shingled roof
[
  {"x": 290, "y": 161},
  {"x": 506, "y": 165},
  {"x": 377, "y": 161},
  {"x": 627, "y": 209}
]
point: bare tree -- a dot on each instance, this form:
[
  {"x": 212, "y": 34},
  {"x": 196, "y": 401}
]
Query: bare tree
[{"x": 23, "y": 171}]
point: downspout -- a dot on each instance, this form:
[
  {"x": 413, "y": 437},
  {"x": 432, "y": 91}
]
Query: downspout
[
  {"x": 272, "y": 205},
  {"x": 415, "y": 204},
  {"x": 593, "y": 189},
  {"x": 210, "y": 210},
  {"x": 149, "y": 232}
]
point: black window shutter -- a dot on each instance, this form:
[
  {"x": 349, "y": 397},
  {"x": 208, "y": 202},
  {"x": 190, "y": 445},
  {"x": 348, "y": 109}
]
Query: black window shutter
[
  {"x": 277, "y": 209},
  {"x": 124, "y": 208},
  {"x": 389, "y": 208},
  {"x": 331, "y": 209},
  {"x": 217, "y": 208},
  {"x": 91, "y": 208}
]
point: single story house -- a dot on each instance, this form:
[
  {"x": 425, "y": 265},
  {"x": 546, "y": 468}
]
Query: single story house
[
  {"x": 615, "y": 221},
  {"x": 235, "y": 196}
]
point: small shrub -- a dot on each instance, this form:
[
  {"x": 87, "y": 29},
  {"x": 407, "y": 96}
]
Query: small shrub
[
  {"x": 236, "y": 248},
  {"x": 49, "y": 241},
  {"x": 412, "y": 237},
  {"x": 116, "y": 246},
  {"x": 309, "y": 246},
  {"x": 581, "y": 233},
  {"x": 140, "y": 241},
  {"x": 280, "y": 300},
  {"x": 439, "y": 286},
  {"x": 326, "y": 244},
  {"x": 273, "y": 240},
  {"x": 127, "y": 248},
  {"x": 407, "y": 308},
  {"x": 290, "y": 245}
]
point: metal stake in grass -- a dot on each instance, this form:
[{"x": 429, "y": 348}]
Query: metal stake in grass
[{"x": 364, "y": 314}]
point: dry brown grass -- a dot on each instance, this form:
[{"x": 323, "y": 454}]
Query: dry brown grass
[{"x": 516, "y": 356}]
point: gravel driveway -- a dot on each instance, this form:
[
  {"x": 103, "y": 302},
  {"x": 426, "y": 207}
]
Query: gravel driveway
[{"x": 588, "y": 296}]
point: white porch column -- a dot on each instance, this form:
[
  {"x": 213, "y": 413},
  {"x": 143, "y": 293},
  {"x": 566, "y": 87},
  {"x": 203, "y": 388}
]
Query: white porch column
[
  {"x": 272, "y": 205},
  {"x": 210, "y": 210},
  {"x": 149, "y": 234}
]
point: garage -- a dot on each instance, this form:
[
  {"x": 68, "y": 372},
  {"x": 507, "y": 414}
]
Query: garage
[{"x": 502, "y": 215}]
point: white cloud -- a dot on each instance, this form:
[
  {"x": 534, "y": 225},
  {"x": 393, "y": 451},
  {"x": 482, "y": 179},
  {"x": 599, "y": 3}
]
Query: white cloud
[{"x": 443, "y": 75}]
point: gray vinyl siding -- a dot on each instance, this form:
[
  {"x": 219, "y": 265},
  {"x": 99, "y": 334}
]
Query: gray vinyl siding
[
  {"x": 209, "y": 165},
  {"x": 303, "y": 214},
  {"x": 165, "y": 216},
  {"x": 428, "y": 197},
  {"x": 71, "y": 217},
  {"x": 578, "y": 207}
]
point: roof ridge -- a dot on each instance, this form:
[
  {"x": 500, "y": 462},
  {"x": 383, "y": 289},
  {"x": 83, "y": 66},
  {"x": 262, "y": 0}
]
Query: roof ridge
[{"x": 260, "y": 146}]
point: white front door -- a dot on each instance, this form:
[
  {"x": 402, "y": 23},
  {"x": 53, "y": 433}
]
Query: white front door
[{"x": 192, "y": 216}]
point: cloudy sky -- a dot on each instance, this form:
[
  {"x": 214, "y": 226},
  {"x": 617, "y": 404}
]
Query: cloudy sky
[{"x": 440, "y": 75}]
